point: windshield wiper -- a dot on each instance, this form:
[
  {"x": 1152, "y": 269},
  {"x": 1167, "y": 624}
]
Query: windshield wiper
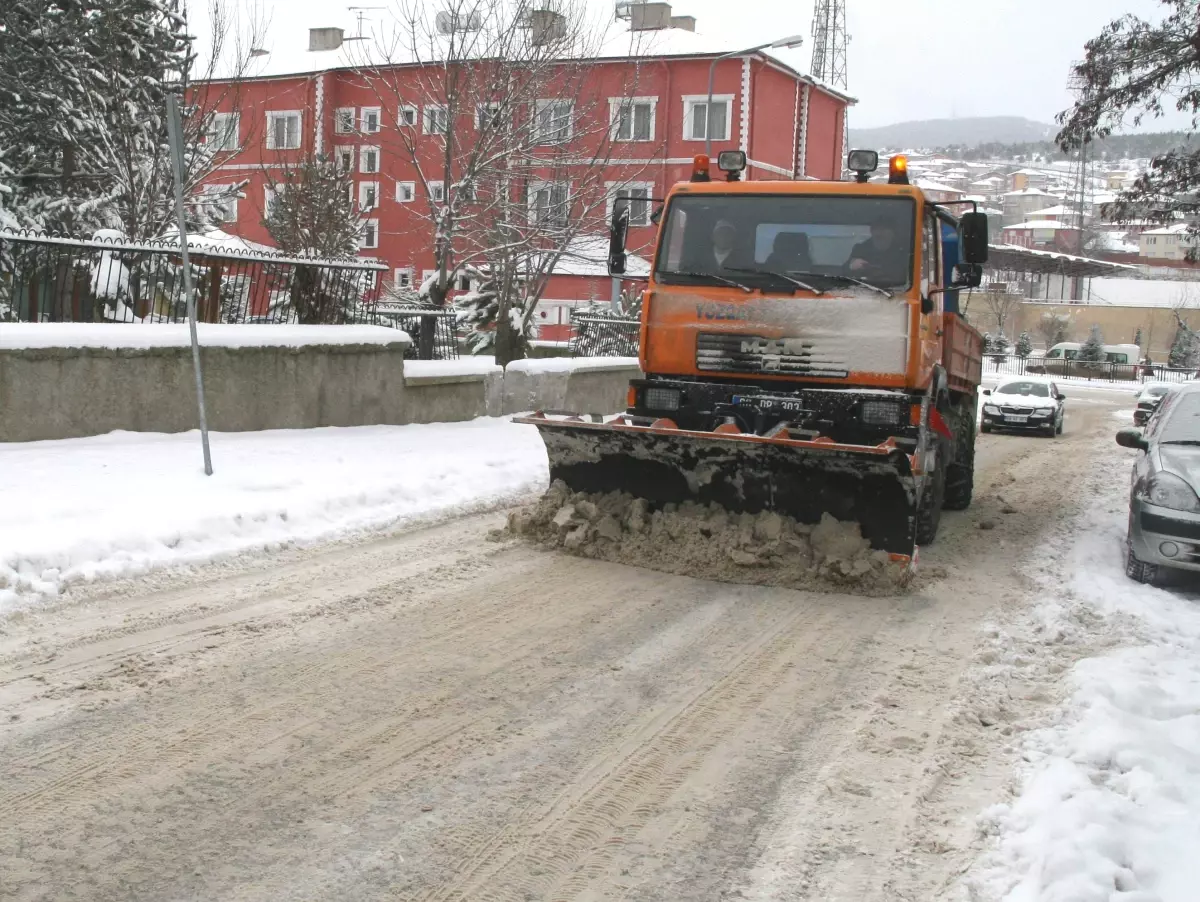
[
  {"x": 778, "y": 275},
  {"x": 850, "y": 279},
  {"x": 706, "y": 275}
]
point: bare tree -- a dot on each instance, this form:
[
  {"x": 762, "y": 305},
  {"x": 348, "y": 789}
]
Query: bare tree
[
  {"x": 1053, "y": 328},
  {"x": 1003, "y": 306},
  {"x": 509, "y": 134}
]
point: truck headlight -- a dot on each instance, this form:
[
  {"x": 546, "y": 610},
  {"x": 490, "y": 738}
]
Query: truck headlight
[
  {"x": 1168, "y": 490},
  {"x": 883, "y": 413},
  {"x": 662, "y": 398}
]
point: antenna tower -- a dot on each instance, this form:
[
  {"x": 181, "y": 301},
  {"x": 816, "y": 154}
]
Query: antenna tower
[{"x": 829, "y": 42}]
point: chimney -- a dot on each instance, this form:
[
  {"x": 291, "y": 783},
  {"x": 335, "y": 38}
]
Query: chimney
[
  {"x": 649, "y": 16},
  {"x": 686, "y": 23},
  {"x": 325, "y": 38}
]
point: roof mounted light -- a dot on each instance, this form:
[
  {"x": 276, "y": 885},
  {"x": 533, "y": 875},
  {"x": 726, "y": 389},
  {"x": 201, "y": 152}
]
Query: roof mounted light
[
  {"x": 732, "y": 163},
  {"x": 862, "y": 163},
  {"x": 700, "y": 168},
  {"x": 898, "y": 170}
]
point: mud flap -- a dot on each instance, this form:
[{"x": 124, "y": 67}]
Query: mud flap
[{"x": 871, "y": 485}]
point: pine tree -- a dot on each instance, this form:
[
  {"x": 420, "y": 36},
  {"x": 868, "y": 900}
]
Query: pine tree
[
  {"x": 1183, "y": 349},
  {"x": 1093, "y": 349},
  {"x": 1024, "y": 345},
  {"x": 477, "y": 311},
  {"x": 1137, "y": 337}
]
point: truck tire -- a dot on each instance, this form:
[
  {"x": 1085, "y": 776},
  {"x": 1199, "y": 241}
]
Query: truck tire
[
  {"x": 929, "y": 508},
  {"x": 960, "y": 474}
]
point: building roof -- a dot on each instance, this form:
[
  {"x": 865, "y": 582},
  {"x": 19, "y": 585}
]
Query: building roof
[
  {"x": 1178, "y": 228},
  {"x": 1010, "y": 258},
  {"x": 587, "y": 255},
  {"x": 1059, "y": 210},
  {"x": 927, "y": 185},
  {"x": 1040, "y": 224},
  {"x": 383, "y": 45},
  {"x": 1028, "y": 192}
]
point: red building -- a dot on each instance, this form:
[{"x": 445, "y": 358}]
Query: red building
[{"x": 301, "y": 101}]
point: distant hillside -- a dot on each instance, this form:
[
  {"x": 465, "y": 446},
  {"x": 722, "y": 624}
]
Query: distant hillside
[{"x": 967, "y": 132}]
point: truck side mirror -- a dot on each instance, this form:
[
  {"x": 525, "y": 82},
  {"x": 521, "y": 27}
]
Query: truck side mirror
[
  {"x": 973, "y": 227},
  {"x": 967, "y": 275},
  {"x": 616, "y": 239}
]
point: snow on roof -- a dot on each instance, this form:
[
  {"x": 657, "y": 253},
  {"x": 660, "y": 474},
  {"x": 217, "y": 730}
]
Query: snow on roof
[
  {"x": 927, "y": 185},
  {"x": 1177, "y": 228},
  {"x": 1028, "y": 192},
  {"x": 587, "y": 255},
  {"x": 1059, "y": 210},
  {"x": 381, "y": 46},
  {"x": 1040, "y": 224}
]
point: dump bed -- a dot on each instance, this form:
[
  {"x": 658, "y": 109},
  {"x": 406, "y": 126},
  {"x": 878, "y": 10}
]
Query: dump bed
[{"x": 962, "y": 350}]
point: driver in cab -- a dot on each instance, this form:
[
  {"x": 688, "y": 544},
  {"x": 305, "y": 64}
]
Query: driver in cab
[{"x": 879, "y": 257}]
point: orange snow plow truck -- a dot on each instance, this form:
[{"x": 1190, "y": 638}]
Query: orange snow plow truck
[{"x": 802, "y": 352}]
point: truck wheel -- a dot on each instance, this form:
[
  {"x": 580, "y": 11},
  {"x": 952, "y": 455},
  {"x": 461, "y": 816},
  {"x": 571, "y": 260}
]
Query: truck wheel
[
  {"x": 960, "y": 475},
  {"x": 929, "y": 508}
]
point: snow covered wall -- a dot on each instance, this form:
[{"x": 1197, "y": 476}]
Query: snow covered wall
[{"x": 69, "y": 381}]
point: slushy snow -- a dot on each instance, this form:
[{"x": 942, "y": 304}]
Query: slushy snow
[
  {"x": 1109, "y": 806},
  {"x": 126, "y": 503}
]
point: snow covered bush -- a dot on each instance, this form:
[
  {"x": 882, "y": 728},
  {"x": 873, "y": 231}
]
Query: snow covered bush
[
  {"x": 477, "y": 312},
  {"x": 1024, "y": 345}
]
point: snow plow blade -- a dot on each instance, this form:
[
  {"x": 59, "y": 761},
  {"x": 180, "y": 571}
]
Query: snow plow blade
[{"x": 872, "y": 485}]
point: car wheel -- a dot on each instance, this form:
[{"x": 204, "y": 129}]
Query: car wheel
[
  {"x": 1137, "y": 570},
  {"x": 1062, "y": 422},
  {"x": 1051, "y": 430}
]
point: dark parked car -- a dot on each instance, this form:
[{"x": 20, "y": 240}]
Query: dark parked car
[
  {"x": 1148, "y": 401},
  {"x": 1025, "y": 405},
  {"x": 1164, "y": 509}
]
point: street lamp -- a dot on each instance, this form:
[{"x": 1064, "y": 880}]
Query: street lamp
[{"x": 794, "y": 41}]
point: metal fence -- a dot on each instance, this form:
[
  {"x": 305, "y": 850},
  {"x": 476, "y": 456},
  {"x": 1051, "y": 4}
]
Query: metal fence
[
  {"x": 1064, "y": 368},
  {"x": 432, "y": 329},
  {"x": 597, "y": 335}
]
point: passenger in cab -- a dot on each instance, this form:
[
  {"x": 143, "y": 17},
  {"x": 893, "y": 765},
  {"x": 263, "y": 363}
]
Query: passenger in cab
[{"x": 789, "y": 252}]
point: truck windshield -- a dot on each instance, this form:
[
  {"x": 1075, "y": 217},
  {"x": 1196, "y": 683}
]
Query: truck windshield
[{"x": 825, "y": 238}]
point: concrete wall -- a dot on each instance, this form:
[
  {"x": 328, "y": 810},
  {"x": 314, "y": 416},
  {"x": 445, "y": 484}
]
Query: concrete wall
[{"x": 54, "y": 393}]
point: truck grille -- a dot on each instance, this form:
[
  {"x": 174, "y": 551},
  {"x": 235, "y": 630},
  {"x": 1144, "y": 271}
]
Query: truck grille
[{"x": 716, "y": 352}]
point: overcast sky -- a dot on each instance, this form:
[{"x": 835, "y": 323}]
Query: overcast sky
[{"x": 984, "y": 57}]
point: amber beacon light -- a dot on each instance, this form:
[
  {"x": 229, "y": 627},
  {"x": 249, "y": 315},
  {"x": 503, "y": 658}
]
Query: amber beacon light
[{"x": 898, "y": 170}]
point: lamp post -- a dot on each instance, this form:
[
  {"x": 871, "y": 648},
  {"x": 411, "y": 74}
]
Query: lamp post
[{"x": 794, "y": 41}]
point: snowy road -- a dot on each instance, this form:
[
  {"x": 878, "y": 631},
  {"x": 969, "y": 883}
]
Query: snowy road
[{"x": 431, "y": 717}]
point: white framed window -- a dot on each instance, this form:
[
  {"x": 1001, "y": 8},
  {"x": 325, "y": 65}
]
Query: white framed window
[
  {"x": 368, "y": 160},
  {"x": 632, "y": 118},
  {"x": 427, "y": 274},
  {"x": 636, "y": 196},
  {"x": 463, "y": 282},
  {"x": 368, "y": 235},
  {"x": 699, "y": 122},
  {"x": 549, "y": 203},
  {"x": 343, "y": 120},
  {"x": 269, "y": 196},
  {"x": 406, "y": 115},
  {"x": 283, "y": 130},
  {"x": 369, "y": 116},
  {"x": 488, "y": 115},
  {"x": 345, "y": 158},
  {"x": 437, "y": 192},
  {"x": 403, "y": 277},
  {"x": 368, "y": 195},
  {"x": 223, "y": 131},
  {"x": 405, "y": 192},
  {"x": 552, "y": 121},
  {"x": 436, "y": 120}
]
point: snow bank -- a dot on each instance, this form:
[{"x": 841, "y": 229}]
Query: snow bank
[
  {"x": 120, "y": 335},
  {"x": 1111, "y": 786},
  {"x": 464, "y": 366},
  {"x": 569, "y": 364},
  {"x": 125, "y": 503}
]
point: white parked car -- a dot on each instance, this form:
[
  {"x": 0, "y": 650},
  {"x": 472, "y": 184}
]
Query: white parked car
[{"x": 1025, "y": 405}]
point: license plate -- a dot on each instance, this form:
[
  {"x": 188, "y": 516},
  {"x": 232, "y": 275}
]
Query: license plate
[
  {"x": 775, "y": 405},
  {"x": 1017, "y": 419}
]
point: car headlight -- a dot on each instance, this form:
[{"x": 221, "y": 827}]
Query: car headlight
[
  {"x": 1168, "y": 490},
  {"x": 1042, "y": 412},
  {"x": 991, "y": 411}
]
